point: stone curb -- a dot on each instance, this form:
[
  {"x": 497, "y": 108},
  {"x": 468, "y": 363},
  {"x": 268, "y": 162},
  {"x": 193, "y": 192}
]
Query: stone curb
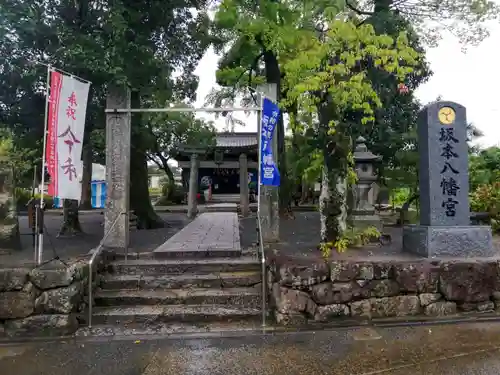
[{"x": 268, "y": 330}]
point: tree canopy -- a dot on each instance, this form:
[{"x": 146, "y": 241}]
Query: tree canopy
[{"x": 338, "y": 67}]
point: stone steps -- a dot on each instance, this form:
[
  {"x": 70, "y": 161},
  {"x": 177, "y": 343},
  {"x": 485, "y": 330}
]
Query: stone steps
[
  {"x": 169, "y": 291},
  {"x": 184, "y": 266},
  {"x": 211, "y": 252},
  {"x": 222, "y": 207},
  {"x": 173, "y": 314},
  {"x": 247, "y": 297},
  {"x": 198, "y": 275},
  {"x": 210, "y": 280}
]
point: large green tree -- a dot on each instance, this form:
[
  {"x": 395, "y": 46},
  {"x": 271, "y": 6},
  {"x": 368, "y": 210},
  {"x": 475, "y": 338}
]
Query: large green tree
[
  {"x": 254, "y": 38},
  {"x": 107, "y": 42},
  {"x": 167, "y": 131},
  {"x": 484, "y": 167},
  {"x": 329, "y": 78},
  {"x": 465, "y": 19}
]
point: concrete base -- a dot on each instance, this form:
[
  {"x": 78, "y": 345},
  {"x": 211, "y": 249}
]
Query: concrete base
[
  {"x": 456, "y": 241},
  {"x": 365, "y": 221}
]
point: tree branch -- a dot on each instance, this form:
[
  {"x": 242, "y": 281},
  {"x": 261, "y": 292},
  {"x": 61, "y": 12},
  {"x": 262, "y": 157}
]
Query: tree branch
[{"x": 358, "y": 11}]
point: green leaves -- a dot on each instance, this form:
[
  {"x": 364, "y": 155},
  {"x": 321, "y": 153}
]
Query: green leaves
[
  {"x": 121, "y": 41},
  {"x": 334, "y": 67}
]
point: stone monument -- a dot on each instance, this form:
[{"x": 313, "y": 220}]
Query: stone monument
[
  {"x": 118, "y": 141},
  {"x": 445, "y": 228},
  {"x": 363, "y": 211}
]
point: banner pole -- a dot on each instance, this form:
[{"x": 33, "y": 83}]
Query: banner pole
[
  {"x": 44, "y": 153},
  {"x": 259, "y": 177}
]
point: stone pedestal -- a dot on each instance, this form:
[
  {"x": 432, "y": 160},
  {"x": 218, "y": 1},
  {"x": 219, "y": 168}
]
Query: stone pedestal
[
  {"x": 244, "y": 197},
  {"x": 193, "y": 187},
  {"x": 364, "y": 221},
  {"x": 118, "y": 128},
  {"x": 448, "y": 241}
]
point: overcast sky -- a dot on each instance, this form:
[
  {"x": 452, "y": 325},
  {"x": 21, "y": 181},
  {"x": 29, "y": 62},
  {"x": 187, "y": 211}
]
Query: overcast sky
[{"x": 469, "y": 79}]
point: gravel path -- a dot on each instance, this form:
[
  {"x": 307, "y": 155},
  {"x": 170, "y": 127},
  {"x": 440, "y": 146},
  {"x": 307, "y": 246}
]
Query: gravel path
[{"x": 74, "y": 246}]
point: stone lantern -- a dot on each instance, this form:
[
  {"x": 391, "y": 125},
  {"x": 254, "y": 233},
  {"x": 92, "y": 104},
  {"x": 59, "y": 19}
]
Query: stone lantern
[
  {"x": 363, "y": 209},
  {"x": 9, "y": 225}
]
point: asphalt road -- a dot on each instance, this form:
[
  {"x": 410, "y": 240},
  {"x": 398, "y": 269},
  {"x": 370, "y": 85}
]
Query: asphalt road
[{"x": 453, "y": 349}]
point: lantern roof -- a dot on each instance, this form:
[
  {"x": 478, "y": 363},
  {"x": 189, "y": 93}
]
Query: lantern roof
[{"x": 361, "y": 152}]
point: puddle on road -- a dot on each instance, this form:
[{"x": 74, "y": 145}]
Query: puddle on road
[
  {"x": 363, "y": 334},
  {"x": 365, "y": 351},
  {"x": 12, "y": 351},
  {"x": 417, "y": 345}
]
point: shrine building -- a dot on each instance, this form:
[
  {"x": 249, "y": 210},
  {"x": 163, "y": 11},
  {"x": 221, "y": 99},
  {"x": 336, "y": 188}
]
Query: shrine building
[{"x": 221, "y": 166}]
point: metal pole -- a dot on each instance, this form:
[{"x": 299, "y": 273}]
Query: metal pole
[
  {"x": 47, "y": 100},
  {"x": 185, "y": 109},
  {"x": 259, "y": 182},
  {"x": 259, "y": 142},
  {"x": 35, "y": 224},
  {"x": 35, "y": 231},
  {"x": 90, "y": 294}
]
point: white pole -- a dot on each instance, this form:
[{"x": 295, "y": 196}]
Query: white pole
[
  {"x": 47, "y": 100},
  {"x": 259, "y": 142}
]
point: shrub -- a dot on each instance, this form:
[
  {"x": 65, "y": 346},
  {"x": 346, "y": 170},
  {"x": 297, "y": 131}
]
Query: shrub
[
  {"x": 353, "y": 237},
  {"x": 155, "y": 192},
  {"x": 400, "y": 196},
  {"x": 176, "y": 197},
  {"x": 486, "y": 198},
  {"x": 23, "y": 196}
]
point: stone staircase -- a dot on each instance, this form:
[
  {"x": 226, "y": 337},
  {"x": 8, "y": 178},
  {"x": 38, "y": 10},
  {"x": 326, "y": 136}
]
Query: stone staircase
[
  {"x": 184, "y": 281},
  {"x": 225, "y": 198}
]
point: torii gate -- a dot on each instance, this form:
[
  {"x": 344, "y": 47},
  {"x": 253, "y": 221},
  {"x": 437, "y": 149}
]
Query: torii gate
[{"x": 118, "y": 142}]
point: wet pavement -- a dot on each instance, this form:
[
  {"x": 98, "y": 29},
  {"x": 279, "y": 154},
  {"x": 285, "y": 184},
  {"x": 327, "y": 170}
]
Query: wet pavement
[
  {"x": 449, "y": 349},
  {"x": 67, "y": 247}
]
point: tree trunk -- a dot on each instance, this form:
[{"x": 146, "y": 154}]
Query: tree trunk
[
  {"x": 333, "y": 195},
  {"x": 10, "y": 238},
  {"x": 171, "y": 182},
  {"x": 140, "y": 202},
  {"x": 305, "y": 190},
  {"x": 332, "y": 203},
  {"x": 71, "y": 221},
  {"x": 86, "y": 202}
]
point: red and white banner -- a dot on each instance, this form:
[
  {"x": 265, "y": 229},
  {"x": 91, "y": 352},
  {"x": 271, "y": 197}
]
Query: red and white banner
[{"x": 65, "y": 129}]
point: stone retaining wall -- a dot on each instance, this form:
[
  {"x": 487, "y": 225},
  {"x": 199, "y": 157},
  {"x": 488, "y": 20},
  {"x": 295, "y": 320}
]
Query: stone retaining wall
[
  {"x": 302, "y": 290},
  {"x": 45, "y": 301}
]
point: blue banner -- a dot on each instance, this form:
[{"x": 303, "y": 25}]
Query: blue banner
[{"x": 268, "y": 169}]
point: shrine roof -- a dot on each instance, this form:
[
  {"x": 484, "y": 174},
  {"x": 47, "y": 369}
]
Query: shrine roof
[
  {"x": 228, "y": 142},
  {"x": 236, "y": 140}
]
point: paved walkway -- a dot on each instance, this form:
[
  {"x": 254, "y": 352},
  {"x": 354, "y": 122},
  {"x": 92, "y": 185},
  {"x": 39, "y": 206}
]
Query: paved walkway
[
  {"x": 468, "y": 349},
  {"x": 208, "y": 231},
  {"x": 75, "y": 246}
]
